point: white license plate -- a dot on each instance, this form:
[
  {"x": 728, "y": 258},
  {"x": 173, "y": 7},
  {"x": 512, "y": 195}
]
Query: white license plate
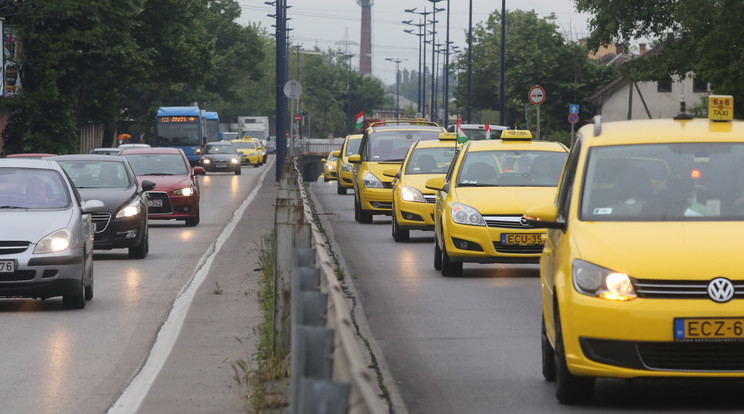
[
  {"x": 7, "y": 266},
  {"x": 155, "y": 203}
]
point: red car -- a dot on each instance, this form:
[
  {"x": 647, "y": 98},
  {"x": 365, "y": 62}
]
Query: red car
[{"x": 176, "y": 193}]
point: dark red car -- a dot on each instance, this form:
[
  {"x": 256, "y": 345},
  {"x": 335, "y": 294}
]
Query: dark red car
[{"x": 176, "y": 193}]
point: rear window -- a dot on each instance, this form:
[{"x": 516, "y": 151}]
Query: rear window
[{"x": 157, "y": 164}]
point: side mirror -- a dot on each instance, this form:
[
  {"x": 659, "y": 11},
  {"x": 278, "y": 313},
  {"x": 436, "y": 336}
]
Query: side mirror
[
  {"x": 148, "y": 185},
  {"x": 322, "y": 160},
  {"x": 93, "y": 206},
  {"x": 544, "y": 216},
  {"x": 336, "y": 154},
  {"x": 355, "y": 159},
  {"x": 437, "y": 184},
  {"x": 199, "y": 171},
  {"x": 391, "y": 172}
]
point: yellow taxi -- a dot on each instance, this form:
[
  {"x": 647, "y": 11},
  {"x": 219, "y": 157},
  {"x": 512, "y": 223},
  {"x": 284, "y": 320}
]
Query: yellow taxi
[
  {"x": 329, "y": 166},
  {"x": 344, "y": 169},
  {"x": 249, "y": 154},
  {"x": 481, "y": 200},
  {"x": 640, "y": 273},
  {"x": 261, "y": 150},
  {"x": 413, "y": 204},
  {"x": 383, "y": 146}
]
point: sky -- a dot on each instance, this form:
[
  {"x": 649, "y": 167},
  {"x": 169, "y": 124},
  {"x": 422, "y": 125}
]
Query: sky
[{"x": 335, "y": 24}]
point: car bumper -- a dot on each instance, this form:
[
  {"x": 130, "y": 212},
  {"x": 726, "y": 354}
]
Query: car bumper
[
  {"x": 346, "y": 179},
  {"x": 376, "y": 200},
  {"x": 414, "y": 216},
  {"x": 120, "y": 233},
  {"x": 329, "y": 175},
  {"x": 481, "y": 244},
  {"x": 635, "y": 338},
  {"x": 44, "y": 276},
  {"x": 211, "y": 167},
  {"x": 173, "y": 207}
]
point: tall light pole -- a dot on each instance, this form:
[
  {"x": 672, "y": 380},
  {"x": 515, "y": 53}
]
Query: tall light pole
[
  {"x": 470, "y": 59},
  {"x": 420, "y": 35},
  {"x": 433, "y": 53},
  {"x": 348, "y": 90},
  {"x": 502, "y": 105},
  {"x": 446, "y": 71},
  {"x": 397, "y": 84},
  {"x": 422, "y": 104},
  {"x": 281, "y": 79}
]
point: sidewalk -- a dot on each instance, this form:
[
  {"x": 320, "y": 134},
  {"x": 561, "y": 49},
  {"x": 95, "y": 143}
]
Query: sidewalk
[{"x": 198, "y": 376}]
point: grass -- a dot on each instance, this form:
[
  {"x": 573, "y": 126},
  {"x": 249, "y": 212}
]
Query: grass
[{"x": 217, "y": 289}]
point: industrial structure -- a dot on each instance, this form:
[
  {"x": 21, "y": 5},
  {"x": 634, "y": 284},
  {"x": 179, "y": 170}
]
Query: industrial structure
[{"x": 365, "y": 48}]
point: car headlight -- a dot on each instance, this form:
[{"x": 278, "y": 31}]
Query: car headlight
[
  {"x": 347, "y": 167},
  {"x": 131, "y": 209},
  {"x": 206, "y": 161},
  {"x": 329, "y": 167},
  {"x": 198, "y": 151},
  {"x": 54, "y": 242},
  {"x": 370, "y": 181},
  {"x": 235, "y": 160},
  {"x": 464, "y": 214},
  {"x": 411, "y": 194},
  {"x": 590, "y": 279},
  {"x": 186, "y": 192}
]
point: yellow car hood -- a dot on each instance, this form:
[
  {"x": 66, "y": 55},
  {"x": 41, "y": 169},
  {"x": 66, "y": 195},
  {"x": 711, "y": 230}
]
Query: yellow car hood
[
  {"x": 377, "y": 168},
  {"x": 418, "y": 181},
  {"x": 504, "y": 200},
  {"x": 661, "y": 250}
]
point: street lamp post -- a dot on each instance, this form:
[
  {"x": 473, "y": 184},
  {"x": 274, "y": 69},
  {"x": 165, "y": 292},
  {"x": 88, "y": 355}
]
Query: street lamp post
[
  {"x": 419, "y": 35},
  {"x": 502, "y": 105},
  {"x": 470, "y": 58},
  {"x": 446, "y": 70},
  {"x": 397, "y": 84},
  {"x": 348, "y": 90},
  {"x": 433, "y": 53},
  {"x": 422, "y": 74}
]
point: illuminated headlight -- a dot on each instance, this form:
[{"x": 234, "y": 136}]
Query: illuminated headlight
[
  {"x": 347, "y": 167},
  {"x": 370, "y": 181},
  {"x": 56, "y": 241},
  {"x": 411, "y": 194},
  {"x": 198, "y": 151},
  {"x": 464, "y": 214},
  {"x": 590, "y": 279},
  {"x": 329, "y": 167},
  {"x": 132, "y": 209},
  {"x": 186, "y": 192},
  {"x": 235, "y": 160},
  {"x": 206, "y": 161}
]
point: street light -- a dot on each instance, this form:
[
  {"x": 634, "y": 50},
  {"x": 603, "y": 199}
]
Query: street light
[
  {"x": 502, "y": 106},
  {"x": 420, "y": 35},
  {"x": 446, "y": 71},
  {"x": 470, "y": 58},
  {"x": 348, "y": 56},
  {"x": 433, "y": 52},
  {"x": 397, "y": 84},
  {"x": 422, "y": 73}
]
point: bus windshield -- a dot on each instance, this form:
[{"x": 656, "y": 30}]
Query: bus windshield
[
  {"x": 213, "y": 130},
  {"x": 171, "y": 134}
]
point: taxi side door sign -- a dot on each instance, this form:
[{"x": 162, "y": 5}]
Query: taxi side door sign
[{"x": 721, "y": 107}]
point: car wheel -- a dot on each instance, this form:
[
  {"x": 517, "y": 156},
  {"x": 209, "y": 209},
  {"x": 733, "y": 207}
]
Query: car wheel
[
  {"x": 437, "y": 255},
  {"x": 449, "y": 268},
  {"x": 339, "y": 189},
  {"x": 238, "y": 171},
  {"x": 356, "y": 210},
  {"x": 89, "y": 286},
  {"x": 193, "y": 221},
  {"x": 569, "y": 389},
  {"x": 548, "y": 355},
  {"x": 325, "y": 179},
  {"x": 140, "y": 251},
  {"x": 399, "y": 235},
  {"x": 365, "y": 217},
  {"x": 256, "y": 165},
  {"x": 75, "y": 300}
]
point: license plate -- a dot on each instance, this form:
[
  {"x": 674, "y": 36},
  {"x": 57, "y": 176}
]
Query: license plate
[
  {"x": 155, "y": 203},
  {"x": 521, "y": 238},
  {"x": 708, "y": 329},
  {"x": 7, "y": 266}
]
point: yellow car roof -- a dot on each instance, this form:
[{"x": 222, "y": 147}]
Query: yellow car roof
[
  {"x": 354, "y": 136},
  {"x": 500, "y": 145},
  {"x": 663, "y": 131},
  {"x": 433, "y": 143}
]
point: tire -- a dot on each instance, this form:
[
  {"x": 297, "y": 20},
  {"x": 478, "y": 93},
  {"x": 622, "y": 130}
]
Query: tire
[
  {"x": 140, "y": 251},
  {"x": 256, "y": 165},
  {"x": 399, "y": 234},
  {"x": 356, "y": 210},
  {"x": 437, "y": 255},
  {"x": 75, "y": 300},
  {"x": 89, "y": 286},
  {"x": 191, "y": 222},
  {"x": 325, "y": 179},
  {"x": 569, "y": 389},
  {"x": 361, "y": 216},
  {"x": 238, "y": 171},
  {"x": 449, "y": 268},
  {"x": 339, "y": 189},
  {"x": 548, "y": 355}
]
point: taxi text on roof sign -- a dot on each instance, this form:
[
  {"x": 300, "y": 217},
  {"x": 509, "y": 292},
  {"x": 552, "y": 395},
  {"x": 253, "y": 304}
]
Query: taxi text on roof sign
[
  {"x": 721, "y": 107},
  {"x": 516, "y": 134},
  {"x": 448, "y": 136}
]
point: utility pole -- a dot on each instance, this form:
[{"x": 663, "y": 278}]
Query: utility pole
[{"x": 397, "y": 84}]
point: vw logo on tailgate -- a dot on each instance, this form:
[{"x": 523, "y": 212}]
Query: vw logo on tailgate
[{"x": 721, "y": 289}]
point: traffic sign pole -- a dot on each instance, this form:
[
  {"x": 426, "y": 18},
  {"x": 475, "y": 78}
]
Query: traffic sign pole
[
  {"x": 573, "y": 118},
  {"x": 536, "y": 95}
]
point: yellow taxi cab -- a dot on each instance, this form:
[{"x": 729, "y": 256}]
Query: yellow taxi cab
[
  {"x": 344, "y": 169},
  {"x": 329, "y": 166},
  {"x": 249, "y": 154},
  {"x": 383, "y": 146},
  {"x": 481, "y": 200},
  {"x": 261, "y": 150},
  {"x": 413, "y": 204},
  {"x": 640, "y": 273}
]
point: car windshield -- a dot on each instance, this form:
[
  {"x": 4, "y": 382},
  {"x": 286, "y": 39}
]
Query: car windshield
[
  {"x": 393, "y": 145},
  {"x": 96, "y": 174},
  {"x": 157, "y": 164},
  {"x": 352, "y": 147},
  {"x": 220, "y": 149},
  {"x": 331, "y": 157},
  {"x": 430, "y": 160},
  {"x": 664, "y": 182},
  {"x": 244, "y": 144},
  {"x": 511, "y": 168},
  {"x": 32, "y": 189}
]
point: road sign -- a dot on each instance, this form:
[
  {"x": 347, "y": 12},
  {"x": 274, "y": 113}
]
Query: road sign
[
  {"x": 573, "y": 118},
  {"x": 298, "y": 118},
  {"x": 293, "y": 89},
  {"x": 536, "y": 95},
  {"x": 573, "y": 109}
]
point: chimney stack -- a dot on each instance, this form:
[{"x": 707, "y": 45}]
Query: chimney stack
[{"x": 642, "y": 48}]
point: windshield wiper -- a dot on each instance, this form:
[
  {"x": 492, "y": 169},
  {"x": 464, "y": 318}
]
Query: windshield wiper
[
  {"x": 156, "y": 173},
  {"x": 14, "y": 207}
]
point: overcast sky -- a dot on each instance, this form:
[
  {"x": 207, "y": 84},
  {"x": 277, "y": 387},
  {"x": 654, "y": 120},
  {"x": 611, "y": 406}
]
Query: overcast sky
[{"x": 335, "y": 23}]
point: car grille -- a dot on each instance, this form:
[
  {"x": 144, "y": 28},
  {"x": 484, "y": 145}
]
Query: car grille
[
  {"x": 516, "y": 249},
  {"x": 430, "y": 198},
  {"x": 18, "y": 276},
  {"x": 387, "y": 185},
  {"x": 101, "y": 221},
  {"x": 13, "y": 247},
  {"x": 382, "y": 204},
  {"x": 508, "y": 222},
  {"x": 153, "y": 197},
  {"x": 679, "y": 289}
]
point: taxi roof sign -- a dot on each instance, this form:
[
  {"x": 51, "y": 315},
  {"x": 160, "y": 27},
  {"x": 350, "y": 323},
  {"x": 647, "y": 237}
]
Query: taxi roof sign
[
  {"x": 448, "y": 136},
  {"x": 721, "y": 107},
  {"x": 516, "y": 134}
]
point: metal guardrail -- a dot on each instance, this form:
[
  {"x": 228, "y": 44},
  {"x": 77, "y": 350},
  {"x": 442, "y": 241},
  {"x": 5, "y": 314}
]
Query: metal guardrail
[{"x": 328, "y": 370}]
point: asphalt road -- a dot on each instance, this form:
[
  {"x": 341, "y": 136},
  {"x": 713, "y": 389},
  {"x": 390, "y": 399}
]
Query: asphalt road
[{"x": 472, "y": 344}]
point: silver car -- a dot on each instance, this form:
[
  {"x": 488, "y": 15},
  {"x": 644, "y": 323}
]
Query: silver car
[{"x": 46, "y": 234}]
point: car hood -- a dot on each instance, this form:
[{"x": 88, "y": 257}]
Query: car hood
[
  {"x": 112, "y": 198},
  {"x": 221, "y": 157},
  {"x": 504, "y": 200},
  {"x": 660, "y": 250},
  {"x": 377, "y": 168},
  {"x": 418, "y": 181},
  {"x": 32, "y": 225},
  {"x": 166, "y": 182}
]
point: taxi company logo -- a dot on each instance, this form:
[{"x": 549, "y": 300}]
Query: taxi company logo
[
  {"x": 523, "y": 222},
  {"x": 721, "y": 290}
]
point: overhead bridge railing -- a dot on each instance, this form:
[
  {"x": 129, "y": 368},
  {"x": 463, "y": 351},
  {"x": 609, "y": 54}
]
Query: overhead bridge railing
[{"x": 328, "y": 368}]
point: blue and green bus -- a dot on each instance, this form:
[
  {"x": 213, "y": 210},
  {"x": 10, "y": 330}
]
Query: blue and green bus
[
  {"x": 181, "y": 127},
  {"x": 213, "y": 126}
]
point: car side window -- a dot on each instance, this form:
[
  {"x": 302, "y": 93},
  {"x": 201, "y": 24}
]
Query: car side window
[{"x": 567, "y": 182}]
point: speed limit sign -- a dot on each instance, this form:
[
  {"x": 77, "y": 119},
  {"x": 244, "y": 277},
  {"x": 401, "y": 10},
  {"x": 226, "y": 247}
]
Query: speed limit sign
[{"x": 536, "y": 95}]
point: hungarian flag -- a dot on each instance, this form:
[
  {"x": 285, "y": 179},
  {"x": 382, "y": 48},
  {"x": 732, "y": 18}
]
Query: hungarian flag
[
  {"x": 359, "y": 119},
  {"x": 488, "y": 131},
  {"x": 461, "y": 137}
]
